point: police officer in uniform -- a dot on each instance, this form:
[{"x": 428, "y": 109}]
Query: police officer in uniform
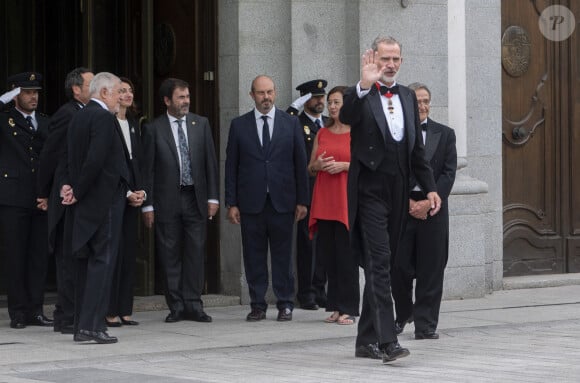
[
  {"x": 311, "y": 271},
  {"x": 23, "y": 225}
]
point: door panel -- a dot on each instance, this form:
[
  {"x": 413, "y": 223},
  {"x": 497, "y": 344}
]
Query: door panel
[{"x": 537, "y": 178}]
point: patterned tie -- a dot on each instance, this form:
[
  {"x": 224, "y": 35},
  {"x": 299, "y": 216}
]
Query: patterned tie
[
  {"x": 30, "y": 124},
  {"x": 265, "y": 134},
  {"x": 186, "y": 179}
]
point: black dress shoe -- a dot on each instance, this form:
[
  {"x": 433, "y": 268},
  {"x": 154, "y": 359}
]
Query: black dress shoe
[
  {"x": 40, "y": 320},
  {"x": 173, "y": 317},
  {"x": 284, "y": 315},
  {"x": 394, "y": 351},
  {"x": 100, "y": 337},
  {"x": 371, "y": 351},
  {"x": 129, "y": 322},
  {"x": 426, "y": 335},
  {"x": 400, "y": 326},
  {"x": 309, "y": 306},
  {"x": 113, "y": 323},
  {"x": 198, "y": 316},
  {"x": 67, "y": 329},
  {"x": 256, "y": 315},
  {"x": 17, "y": 323}
]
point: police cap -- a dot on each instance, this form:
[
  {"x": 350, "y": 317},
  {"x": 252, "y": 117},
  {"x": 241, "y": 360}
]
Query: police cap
[
  {"x": 26, "y": 80},
  {"x": 316, "y": 87}
]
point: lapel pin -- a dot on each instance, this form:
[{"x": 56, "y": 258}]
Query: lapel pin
[{"x": 11, "y": 122}]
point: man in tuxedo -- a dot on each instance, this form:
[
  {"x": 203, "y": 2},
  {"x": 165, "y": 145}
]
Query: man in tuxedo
[
  {"x": 310, "y": 268},
  {"x": 386, "y": 147},
  {"x": 23, "y": 227},
  {"x": 423, "y": 250},
  {"x": 181, "y": 180},
  {"x": 266, "y": 192},
  {"x": 98, "y": 172},
  {"x": 51, "y": 174}
]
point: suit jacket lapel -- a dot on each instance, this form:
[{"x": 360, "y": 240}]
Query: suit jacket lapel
[
  {"x": 167, "y": 135},
  {"x": 431, "y": 140},
  {"x": 377, "y": 109},
  {"x": 406, "y": 99},
  {"x": 192, "y": 140}
]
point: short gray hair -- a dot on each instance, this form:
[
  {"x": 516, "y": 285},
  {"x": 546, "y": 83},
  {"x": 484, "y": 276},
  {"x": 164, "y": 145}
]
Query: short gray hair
[
  {"x": 103, "y": 80},
  {"x": 385, "y": 40},
  {"x": 419, "y": 85}
]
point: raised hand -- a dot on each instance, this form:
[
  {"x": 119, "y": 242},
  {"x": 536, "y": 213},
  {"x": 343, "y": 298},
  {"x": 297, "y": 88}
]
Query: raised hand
[{"x": 371, "y": 70}]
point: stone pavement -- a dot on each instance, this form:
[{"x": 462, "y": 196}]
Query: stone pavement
[{"x": 523, "y": 335}]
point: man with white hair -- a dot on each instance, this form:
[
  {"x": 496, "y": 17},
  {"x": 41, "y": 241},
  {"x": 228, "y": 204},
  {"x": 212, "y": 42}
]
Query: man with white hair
[{"x": 98, "y": 172}]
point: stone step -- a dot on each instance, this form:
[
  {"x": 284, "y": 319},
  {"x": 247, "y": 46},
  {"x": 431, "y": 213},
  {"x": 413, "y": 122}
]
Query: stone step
[{"x": 538, "y": 281}]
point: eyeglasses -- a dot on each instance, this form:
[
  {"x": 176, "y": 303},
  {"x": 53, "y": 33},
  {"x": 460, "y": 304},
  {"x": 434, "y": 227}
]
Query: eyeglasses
[{"x": 424, "y": 102}]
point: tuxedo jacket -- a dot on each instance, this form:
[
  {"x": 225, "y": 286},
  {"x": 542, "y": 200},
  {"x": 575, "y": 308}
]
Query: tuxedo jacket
[
  {"x": 368, "y": 136},
  {"x": 53, "y": 164},
  {"x": 161, "y": 168},
  {"x": 20, "y": 149},
  {"x": 98, "y": 168},
  {"x": 251, "y": 173},
  {"x": 441, "y": 153}
]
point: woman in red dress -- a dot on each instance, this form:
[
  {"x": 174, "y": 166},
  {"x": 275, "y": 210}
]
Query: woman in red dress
[{"x": 329, "y": 213}]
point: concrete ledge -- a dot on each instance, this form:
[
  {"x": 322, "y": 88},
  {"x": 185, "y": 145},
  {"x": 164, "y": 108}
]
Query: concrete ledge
[
  {"x": 538, "y": 281},
  {"x": 157, "y": 302}
]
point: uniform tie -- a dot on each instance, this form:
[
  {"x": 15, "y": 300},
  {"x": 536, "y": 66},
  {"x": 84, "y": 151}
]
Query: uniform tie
[
  {"x": 318, "y": 124},
  {"x": 30, "y": 124},
  {"x": 265, "y": 134},
  {"x": 186, "y": 179}
]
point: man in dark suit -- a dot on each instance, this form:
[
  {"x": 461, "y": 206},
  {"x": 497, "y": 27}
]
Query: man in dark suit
[
  {"x": 266, "y": 191},
  {"x": 310, "y": 269},
  {"x": 181, "y": 180},
  {"x": 424, "y": 247},
  {"x": 51, "y": 173},
  {"x": 98, "y": 171},
  {"x": 386, "y": 147},
  {"x": 23, "y": 227}
]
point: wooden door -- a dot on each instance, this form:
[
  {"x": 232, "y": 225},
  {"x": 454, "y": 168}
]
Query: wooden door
[{"x": 541, "y": 137}]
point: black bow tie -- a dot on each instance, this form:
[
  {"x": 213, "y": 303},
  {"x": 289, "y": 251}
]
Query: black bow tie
[
  {"x": 424, "y": 126},
  {"x": 393, "y": 90}
]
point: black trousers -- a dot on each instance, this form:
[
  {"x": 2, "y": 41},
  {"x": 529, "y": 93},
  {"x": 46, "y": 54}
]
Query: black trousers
[
  {"x": 180, "y": 245},
  {"x": 121, "y": 300},
  {"x": 258, "y": 231},
  {"x": 310, "y": 267},
  {"x": 422, "y": 255},
  {"x": 333, "y": 244},
  {"x": 24, "y": 245},
  {"x": 96, "y": 263},
  {"x": 382, "y": 199},
  {"x": 65, "y": 273}
]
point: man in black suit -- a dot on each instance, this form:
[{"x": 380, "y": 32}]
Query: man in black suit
[
  {"x": 51, "y": 173},
  {"x": 98, "y": 171},
  {"x": 266, "y": 192},
  {"x": 181, "y": 180},
  {"x": 386, "y": 147},
  {"x": 310, "y": 269},
  {"x": 423, "y": 250},
  {"x": 23, "y": 227}
]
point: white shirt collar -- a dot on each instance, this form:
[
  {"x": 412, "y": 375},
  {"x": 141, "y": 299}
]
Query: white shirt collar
[{"x": 270, "y": 114}]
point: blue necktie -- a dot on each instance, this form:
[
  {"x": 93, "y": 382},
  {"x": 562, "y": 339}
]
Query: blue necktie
[
  {"x": 186, "y": 179},
  {"x": 318, "y": 124},
  {"x": 265, "y": 134},
  {"x": 30, "y": 124}
]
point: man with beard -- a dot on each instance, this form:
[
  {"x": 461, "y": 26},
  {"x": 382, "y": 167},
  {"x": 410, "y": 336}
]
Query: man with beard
[
  {"x": 23, "y": 227},
  {"x": 386, "y": 148},
  {"x": 181, "y": 180},
  {"x": 266, "y": 192},
  {"x": 310, "y": 268}
]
